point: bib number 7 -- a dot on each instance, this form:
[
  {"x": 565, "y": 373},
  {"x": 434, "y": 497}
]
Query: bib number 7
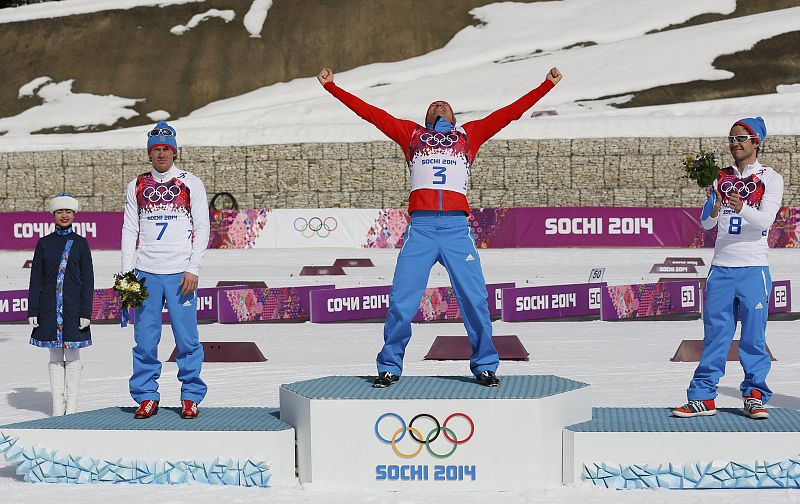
[{"x": 163, "y": 226}]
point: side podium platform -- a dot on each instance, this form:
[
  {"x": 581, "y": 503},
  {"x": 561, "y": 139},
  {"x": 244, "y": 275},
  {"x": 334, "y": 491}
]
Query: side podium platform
[
  {"x": 628, "y": 448},
  {"x": 224, "y": 446},
  {"x": 432, "y": 431}
]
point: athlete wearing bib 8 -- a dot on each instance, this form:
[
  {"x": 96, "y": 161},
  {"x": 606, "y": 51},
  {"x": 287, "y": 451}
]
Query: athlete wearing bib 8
[{"x": 742, "y": 237}]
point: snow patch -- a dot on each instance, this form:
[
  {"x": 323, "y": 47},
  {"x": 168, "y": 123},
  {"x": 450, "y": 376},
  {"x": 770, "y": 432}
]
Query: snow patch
[
  {"x": 73, "y": 7},
  {"x": 256, "y": 16},
  {"x": 227, "y": 15},
  {"x": 30, "y": 88},
  {"x": 63, "y": 108},
  {"x": 158, "y": 115}
]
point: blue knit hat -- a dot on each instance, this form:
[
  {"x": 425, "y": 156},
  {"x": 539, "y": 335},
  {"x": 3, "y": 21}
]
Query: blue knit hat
[
  {"x": 159, "y": 135},
  {"x": 755, "y": 126}
]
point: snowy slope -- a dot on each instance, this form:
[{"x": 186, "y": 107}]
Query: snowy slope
[{"x": 482, "y": 68}]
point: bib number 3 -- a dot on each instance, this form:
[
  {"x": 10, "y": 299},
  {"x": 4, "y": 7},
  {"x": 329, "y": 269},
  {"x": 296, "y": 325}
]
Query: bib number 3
[{"x": 439, "y": 176}]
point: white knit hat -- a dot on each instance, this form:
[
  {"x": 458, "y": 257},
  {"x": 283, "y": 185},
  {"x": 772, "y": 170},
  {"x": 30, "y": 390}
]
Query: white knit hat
[{"x": 63, "y": 201}]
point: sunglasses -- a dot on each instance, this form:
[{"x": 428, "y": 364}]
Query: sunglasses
[
  {"x": 160, "y": 132},
  {"x": 740, "y": 138}
]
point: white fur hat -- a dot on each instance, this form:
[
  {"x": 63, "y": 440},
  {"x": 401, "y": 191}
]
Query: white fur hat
[{"x": 63, "y": 201}]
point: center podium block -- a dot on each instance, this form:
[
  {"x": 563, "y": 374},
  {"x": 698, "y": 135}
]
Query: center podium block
[{"x": 432, "y": 431}]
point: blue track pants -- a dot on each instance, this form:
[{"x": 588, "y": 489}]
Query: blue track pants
[
  {"x": 443, "y": 237},
  {"x": 732, "y": 293},
  {"x": 147, "y": 332}
]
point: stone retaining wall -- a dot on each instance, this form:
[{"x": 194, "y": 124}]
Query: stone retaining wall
[{"x": 506, "y": 173}]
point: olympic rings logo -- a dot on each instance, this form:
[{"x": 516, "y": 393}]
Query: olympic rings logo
[
  {"x": 315, "y": 226},
  {"x": 161, "y": 193},
  {"x": 427, "y": 440},
  {"x": 744, "y": 189},
  {"x": 439, "y": 139}
]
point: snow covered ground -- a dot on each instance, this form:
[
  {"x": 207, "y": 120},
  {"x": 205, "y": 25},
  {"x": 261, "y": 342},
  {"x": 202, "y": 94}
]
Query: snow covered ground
[
  {"x": 626, "y": 363},
  {"x": 481, "y": 69}
]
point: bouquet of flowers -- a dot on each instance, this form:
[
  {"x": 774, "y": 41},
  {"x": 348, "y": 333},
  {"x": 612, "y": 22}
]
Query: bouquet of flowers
[
  {"x": 131, "y": 291},
  {"x": 702, "y": 168}
]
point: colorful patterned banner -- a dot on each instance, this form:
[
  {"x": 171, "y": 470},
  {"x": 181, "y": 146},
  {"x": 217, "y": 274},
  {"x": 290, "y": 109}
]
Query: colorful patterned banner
[
  {"x": 237, "y": 305},
  {"x": 649, "y": 300},
  {"x": 552, "y": 301},
  {"x": 236, "y": 229}
]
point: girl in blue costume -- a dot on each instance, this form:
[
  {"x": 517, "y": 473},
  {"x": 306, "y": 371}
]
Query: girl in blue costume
[{"x": 60, "y": 302}]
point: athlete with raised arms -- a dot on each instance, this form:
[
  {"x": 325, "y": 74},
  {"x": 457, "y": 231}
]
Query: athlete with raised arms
[{"x": 439, "y": 157}]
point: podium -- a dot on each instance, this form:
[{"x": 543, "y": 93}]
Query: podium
[
  {"x": 223, "y": 446},
  {"x": 432, "y": 431}
]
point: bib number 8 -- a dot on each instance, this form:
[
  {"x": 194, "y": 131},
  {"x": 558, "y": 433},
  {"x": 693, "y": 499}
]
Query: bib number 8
[{"x": 735, "y": 225}]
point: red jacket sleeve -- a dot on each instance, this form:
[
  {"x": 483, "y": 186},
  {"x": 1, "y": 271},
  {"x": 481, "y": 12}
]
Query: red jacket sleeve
[
  {"x": 399, "y": 130},
  {"x": 483, "y": 129}
]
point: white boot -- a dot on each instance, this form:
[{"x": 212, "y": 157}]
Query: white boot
[
  {"x": 57, "y": 377},
  {"x": 73, "y": 381}
]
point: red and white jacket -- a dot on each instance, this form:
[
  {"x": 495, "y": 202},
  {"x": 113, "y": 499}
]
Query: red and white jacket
[{"x": 439, "y": 163}]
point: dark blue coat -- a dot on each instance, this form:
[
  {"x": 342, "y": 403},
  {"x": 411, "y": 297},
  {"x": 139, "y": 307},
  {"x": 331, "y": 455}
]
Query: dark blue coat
[{"x": 75, "y": 299}]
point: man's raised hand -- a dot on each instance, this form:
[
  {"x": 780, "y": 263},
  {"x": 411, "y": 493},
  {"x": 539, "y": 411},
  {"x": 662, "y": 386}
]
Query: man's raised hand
[
  {"x": 325, "y": 75},
  {"x": 554, "y": 75}
]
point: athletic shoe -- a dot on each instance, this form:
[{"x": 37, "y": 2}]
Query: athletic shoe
[
  {"x": 754, "y": 408},
  {"x": 189, "y": 409},
  {"x": 488, "y": 379},
  {"x": 696, "y": 408},
  {"x": 146, "y": 409},
  {"x": 384, "y": 379}
]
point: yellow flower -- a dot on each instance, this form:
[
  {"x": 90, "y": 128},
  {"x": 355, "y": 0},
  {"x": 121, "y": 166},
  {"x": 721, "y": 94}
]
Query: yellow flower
[{"x": 135, "y": 287}]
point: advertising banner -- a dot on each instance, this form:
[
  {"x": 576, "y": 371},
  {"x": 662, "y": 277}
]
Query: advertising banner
[
  {"x": 552, "y": 301},
  {"x": 385, "y": 228},
  {"x": 236, "y": 305},
  {"x": 13, "y": 305},
  {"x": 365, "y": 303},
  {"x": 595, "y": 227},
  {"x": 649, "y": 300},
  {"x": 673, "y": 268},
  {"x": 21, "y": 230},
  {"x": 318, "y": 227}
]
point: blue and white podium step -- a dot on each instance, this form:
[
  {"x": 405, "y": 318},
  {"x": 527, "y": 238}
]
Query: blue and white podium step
[
  {"x": 432, "y": 431},
  {"x": 226, "y": 446},
  {"x": 629, "y": 448}
]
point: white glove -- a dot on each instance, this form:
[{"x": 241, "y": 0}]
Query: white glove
[
  {"x": 84, "y": 323},
  {"x": 33, "y": 321}
]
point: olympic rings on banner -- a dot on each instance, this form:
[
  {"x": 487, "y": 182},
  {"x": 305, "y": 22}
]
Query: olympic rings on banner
[
  {"x": 315, "y": 226},
  {"x": 439, "y": 139},
  {"x": 161, "y": 193},
  {"x": 424, "y": 441},
  {"x": 742, "y": 188}
]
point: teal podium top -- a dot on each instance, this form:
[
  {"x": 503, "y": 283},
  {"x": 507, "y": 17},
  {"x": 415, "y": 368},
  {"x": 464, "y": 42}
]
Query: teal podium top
[
  {"x": 167, "y": 419},
  {"x": 661, "y": 420},
  {"x": 433, "y": 387}
]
